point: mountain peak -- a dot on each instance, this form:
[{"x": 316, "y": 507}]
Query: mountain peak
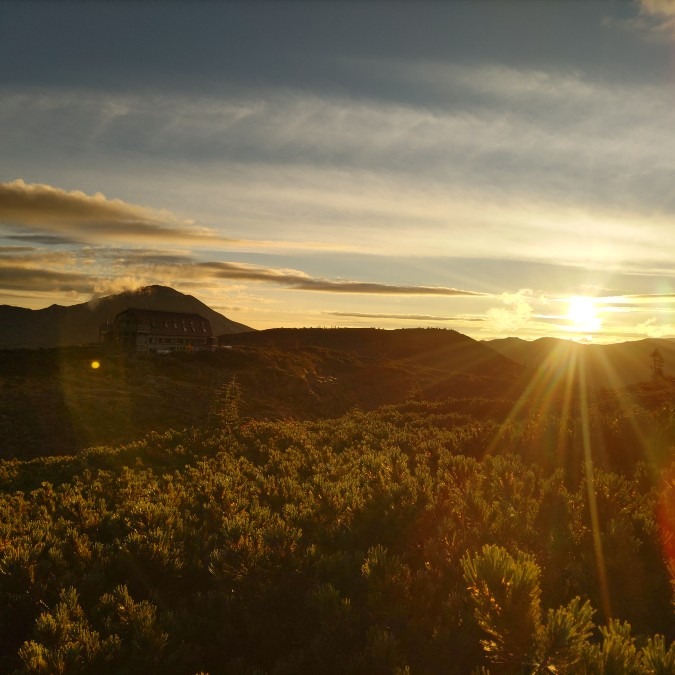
[{"x": 59, "y": 326}]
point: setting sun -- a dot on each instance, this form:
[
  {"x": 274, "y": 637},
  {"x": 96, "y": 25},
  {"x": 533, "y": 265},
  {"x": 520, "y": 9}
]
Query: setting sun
[{"x": 583, "y": 313}]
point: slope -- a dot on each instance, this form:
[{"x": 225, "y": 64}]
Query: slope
[
  {"x": 59, "y": 326},
  {"x": 445, "y": 350},
  {"x": 612, "y": 365}
]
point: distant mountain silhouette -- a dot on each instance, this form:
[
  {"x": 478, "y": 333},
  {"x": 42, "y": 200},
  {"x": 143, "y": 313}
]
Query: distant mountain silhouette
[
  {"x": 446, "y": 350},
  {"x": 612, "y": 365},
  {"x": 59, "y": 326}
]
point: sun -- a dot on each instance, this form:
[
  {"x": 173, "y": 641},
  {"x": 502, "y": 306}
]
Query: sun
[{"x": 583, "y": 313}]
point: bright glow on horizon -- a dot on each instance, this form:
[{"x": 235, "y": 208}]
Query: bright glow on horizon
[{"x": 583, "y": 313}]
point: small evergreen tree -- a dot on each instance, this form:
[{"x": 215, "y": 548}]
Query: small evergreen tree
[
  {"x": 64, "y": 641},
  {"x": 657, "y": 363},
  {"x": 228, "y": 402},
  {"x": 506, "y": 594}
]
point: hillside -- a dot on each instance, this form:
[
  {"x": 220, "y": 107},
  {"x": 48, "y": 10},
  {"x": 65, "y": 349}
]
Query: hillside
[
  {"x": 612, "y": 365},
  {"x": 444, "y": 350},
  {"x": 52, "y": 402},
  {"x": 59, "y": 326}
]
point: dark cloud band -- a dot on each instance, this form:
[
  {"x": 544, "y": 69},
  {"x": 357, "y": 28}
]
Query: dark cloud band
[
  {"x": 29, "y": 279},
  {"x": 299, "y": 281},
  {"x": 76, "y": 215}
]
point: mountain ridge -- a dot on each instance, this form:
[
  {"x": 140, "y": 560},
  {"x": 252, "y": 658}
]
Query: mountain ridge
[
  {"x": 433, "y": 348},
  {"x": 61, "y": 326},
  {"x": 614, "y": 365}
]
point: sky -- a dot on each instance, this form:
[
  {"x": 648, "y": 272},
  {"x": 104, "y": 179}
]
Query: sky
[{"x": 498, "y": 168}]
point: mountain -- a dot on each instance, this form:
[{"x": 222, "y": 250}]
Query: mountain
[
  {"x": 445, "y": 350},
  {"x": 59, "y": 326},
  {"x": 611, "y": 365}
]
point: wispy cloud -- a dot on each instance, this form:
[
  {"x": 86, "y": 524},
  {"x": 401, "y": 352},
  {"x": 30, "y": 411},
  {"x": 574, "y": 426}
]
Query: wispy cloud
[
  {"x": 140, "y": 257},
  {"x": 661, "y": 16},
  {"x": 518, "y": 130},
  {"x": 30, "y": 256},
  {"x": 77, "y": 217},
  {"x": 654, "y": 328},
  {"x": 43, "y": 239},
  {"x": 31, "y": 279},
  {"x": 119, "y": 284},
  {"x": 516, "y": 311},
  {"x": 655, "y": 20},
  {"x": 298, "y": 280},
  {"x": 539, "y": 160},
  {"x": 118, "y": 268},
  {"x": 660, "y": 8},
  {"x": 13, "y": 250}
]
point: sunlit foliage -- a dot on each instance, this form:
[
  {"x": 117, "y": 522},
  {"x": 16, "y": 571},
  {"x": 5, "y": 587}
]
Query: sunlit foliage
[{"x": 378, "y": 542}]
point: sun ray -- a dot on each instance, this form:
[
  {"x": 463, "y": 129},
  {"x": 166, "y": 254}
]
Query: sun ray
[{"x": 590, "y": 489}]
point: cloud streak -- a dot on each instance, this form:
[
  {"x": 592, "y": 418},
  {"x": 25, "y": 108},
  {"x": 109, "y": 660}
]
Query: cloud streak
[
  {"x": 17, "y": 278},
  {"x": 484, "y": 109},
  {"x": 89, "y": 216},
  {"x": 297, "y": 280},
  {"x": 44, "y": 239},
  {"x": 147, "y": 266},
  {"x": 72, "y": 217}
]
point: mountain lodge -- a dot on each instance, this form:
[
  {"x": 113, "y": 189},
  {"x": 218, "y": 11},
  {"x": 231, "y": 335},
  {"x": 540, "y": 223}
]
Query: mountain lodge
[{"x": 144, "y": 330}]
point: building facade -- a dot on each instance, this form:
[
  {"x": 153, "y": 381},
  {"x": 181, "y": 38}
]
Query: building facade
[{"x": 143, "y": 330}]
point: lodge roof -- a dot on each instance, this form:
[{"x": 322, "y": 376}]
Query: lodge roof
[{"x": 168, "y": 323}]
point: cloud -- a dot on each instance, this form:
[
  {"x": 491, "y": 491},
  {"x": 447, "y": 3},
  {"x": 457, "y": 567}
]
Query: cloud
[
  {"x": 532, "y": 120},
  {"x": 13, "y": 250},
  {"x": 129, "y": 282},
  {"x": 80, "y": 218},
  {"x": 654, "y": 329},
  {"x": 405, "y": 317},
  {"x": 549, "y": 164},
  {"x": 661, "y": 13},
  {"x": 149, "y": 257},
  {"x": 120, "y": 268},
  {"x": 656, "y": 20},
  {"x": 298, "y": 280},
  {"x": 516, "y": 311},
  {"x": 43, "y": 239},
  {"x": 29, "y": 256},
  {"x": 90, "y": 216},
  {"x": 31, "y": 279}
]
